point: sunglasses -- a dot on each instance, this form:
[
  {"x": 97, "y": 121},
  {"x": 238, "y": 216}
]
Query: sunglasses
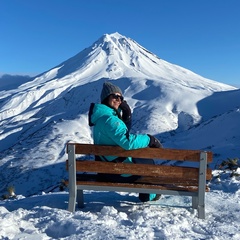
[{"x": 116, "y": 96}]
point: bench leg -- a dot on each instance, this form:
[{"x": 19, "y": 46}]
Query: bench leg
[
  {"x": 194, "y": 202},
  {"x": 202, "y": 185},
  {"x": 80, "y": 198},
  {"x": 199, "y": 206},
  {"x": 201, "y": 212},
  {"x": 72, "y": 178},
  {"x": 72, "y": 200},
  {"x": 198, "y": 202}
]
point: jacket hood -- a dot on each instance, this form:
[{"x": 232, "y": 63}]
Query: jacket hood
[{"x": 97, "y": 111}]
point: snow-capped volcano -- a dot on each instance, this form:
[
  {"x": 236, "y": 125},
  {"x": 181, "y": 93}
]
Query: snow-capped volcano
[{"x": 41, "y": 115}]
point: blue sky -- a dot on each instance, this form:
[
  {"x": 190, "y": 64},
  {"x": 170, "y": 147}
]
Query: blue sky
[{"x": 202, "y": 36}]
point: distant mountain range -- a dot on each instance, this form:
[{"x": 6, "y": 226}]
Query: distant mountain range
[{"x": 181, "y": 108}]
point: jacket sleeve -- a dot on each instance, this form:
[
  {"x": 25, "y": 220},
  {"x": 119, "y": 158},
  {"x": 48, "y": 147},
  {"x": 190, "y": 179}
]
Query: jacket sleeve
[{"x": 118, "y": 132}]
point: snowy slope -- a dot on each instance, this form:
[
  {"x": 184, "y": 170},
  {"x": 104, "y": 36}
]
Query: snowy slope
[{"x": 40, "y": 116}]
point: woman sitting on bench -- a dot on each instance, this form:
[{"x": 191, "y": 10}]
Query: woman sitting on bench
[{"x": 112, "y": 122}]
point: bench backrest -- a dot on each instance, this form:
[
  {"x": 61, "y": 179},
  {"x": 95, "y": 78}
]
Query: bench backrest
[{"x": 141, "y": 169}]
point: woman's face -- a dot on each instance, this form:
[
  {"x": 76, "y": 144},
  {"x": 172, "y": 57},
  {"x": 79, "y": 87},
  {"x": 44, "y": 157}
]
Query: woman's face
[{"x": 115, "y": 100}]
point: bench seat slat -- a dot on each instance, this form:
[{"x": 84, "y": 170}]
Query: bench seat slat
[
  {"x": 145, "y": 179},
  {"x": 175, "y": 184},
  {"x": 140, "y": 185}
]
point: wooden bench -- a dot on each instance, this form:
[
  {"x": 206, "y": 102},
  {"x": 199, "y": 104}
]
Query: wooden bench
[{"x": 159, "y": 179}]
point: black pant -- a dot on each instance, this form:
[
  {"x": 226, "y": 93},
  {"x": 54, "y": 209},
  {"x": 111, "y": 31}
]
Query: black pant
[{"x": 119, "y": 178}]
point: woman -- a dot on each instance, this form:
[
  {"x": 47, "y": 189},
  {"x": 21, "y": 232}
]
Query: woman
[{"x": 112, "y": 122}]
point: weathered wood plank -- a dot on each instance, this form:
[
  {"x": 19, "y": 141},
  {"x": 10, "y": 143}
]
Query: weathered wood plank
[
  {"x": 154, "y": 153},
  {"x": 145, "y": 180},
  {"x": 139, "y": 169},
  {"x": 150, "y": 185},
  {"x": 164, "y": 172}
]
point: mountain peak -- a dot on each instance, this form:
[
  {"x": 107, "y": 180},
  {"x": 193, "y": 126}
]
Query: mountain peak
[
  {"x": 114, "y": 42},
  {"x": 113, "y": 37},
  {"x": 122, "y": 56}
]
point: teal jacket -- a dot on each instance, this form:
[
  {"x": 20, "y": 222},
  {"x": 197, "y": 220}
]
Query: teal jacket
[{"x": 109, "y": 129}]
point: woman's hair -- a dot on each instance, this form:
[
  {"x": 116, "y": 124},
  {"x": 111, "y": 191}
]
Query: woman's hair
[{"x": 106, "y": 102}]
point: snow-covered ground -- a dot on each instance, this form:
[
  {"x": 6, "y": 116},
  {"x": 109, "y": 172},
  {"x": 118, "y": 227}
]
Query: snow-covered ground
[
  {"x": 115, "y": 215},
  {"x": 181, "y": 108}
]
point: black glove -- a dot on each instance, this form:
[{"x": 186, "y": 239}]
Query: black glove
[
  {"x": 126, "y": 114},
  {"x": 154, "y": 142},
  {"x": 90, "y": 114},
  {"x": 126, "y": 111}
]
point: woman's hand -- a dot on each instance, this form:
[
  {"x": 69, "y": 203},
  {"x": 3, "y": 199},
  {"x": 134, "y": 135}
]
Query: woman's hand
[{"x": 154, "y": 142}]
